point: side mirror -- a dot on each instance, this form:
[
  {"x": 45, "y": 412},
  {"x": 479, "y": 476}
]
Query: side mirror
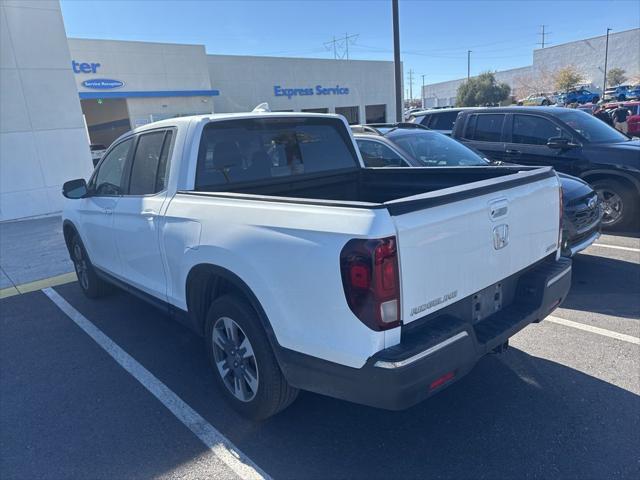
[
  {"x": 560, "y": 143},
  {"x": 75, "y": 189}
]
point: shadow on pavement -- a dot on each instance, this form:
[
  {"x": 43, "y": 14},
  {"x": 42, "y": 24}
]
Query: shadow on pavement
[
  {"x": 514, "y": 416},
  {"x": 605, "y": 285}
]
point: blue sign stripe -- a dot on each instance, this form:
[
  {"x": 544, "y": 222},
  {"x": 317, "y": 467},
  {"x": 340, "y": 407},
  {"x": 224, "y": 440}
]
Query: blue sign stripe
[{"x": 160, "y": 93}]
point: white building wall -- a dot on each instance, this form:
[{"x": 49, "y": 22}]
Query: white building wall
[
  {"x": 246, "y": 81},
  {"x": 43, "y": 141},
  {"x": 586, "y": 55}
]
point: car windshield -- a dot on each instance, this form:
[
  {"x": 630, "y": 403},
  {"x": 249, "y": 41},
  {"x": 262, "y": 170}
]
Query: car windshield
[
  {"x": 591, "y": 128},
  {"x": 433, "y": 149}
]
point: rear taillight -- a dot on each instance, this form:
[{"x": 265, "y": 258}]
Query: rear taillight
[{"x": 371, "y": 282}]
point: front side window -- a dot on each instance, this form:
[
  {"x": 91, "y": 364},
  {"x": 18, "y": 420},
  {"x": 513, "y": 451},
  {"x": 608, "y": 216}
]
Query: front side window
[
  {"x": 150, "y": 158},
  {"x": 532, "y": 130},
  {"x": 377, "y": 154},
  {"x": 485, "y": 127},
  {"x": 109, "y": 179}
]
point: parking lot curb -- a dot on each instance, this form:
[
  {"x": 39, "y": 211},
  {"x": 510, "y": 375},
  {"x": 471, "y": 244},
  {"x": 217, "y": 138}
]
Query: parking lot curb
[{"x": 38, "y": 285}]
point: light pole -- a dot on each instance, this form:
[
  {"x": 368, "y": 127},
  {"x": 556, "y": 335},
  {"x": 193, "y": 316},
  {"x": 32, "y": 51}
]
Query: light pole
[
  {"x": 422, "y": 91},
  {"x": 606, "y": 57},
  {"x": 396, "y": 59},
  {"x": 468, "y": 64}
]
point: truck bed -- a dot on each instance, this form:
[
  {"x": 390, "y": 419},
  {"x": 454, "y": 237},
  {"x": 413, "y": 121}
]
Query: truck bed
[{"x": 399, "y": 189}]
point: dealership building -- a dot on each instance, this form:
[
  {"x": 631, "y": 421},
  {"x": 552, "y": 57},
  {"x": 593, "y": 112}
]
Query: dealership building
[
  {"x": 122, "y": 85},
  {"x": 59, "y": 95}
]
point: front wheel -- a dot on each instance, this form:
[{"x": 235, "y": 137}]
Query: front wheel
[
  {"x": 92, "y": 285},
  {"x": 243, "y": 362},
  {"x": 618, "y": 202},
  {"x": 545, "y": 103}
]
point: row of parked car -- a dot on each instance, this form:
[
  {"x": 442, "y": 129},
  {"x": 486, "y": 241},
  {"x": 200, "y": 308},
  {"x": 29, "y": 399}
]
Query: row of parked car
[{"x": 582, "y": 96}]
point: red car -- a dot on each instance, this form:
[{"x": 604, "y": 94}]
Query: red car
[{"x": 633, "y": 120}]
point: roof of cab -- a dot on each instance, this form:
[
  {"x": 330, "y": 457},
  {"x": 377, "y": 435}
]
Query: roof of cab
[{"x": 213, "y": 117}]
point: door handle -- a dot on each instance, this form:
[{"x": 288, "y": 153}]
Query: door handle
[
  {"x": 512, "y": 152},
  {"x": 148, "y": 213},
  {"x": 108, "y": 211}
]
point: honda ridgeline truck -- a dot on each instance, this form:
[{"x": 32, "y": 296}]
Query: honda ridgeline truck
[{"x": 304, "y": 270}]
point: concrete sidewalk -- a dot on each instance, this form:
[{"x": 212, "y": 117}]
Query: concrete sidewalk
[{"x": 31, "y": 251}]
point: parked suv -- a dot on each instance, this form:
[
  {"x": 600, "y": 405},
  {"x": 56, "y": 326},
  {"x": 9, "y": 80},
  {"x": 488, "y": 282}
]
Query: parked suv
[
  {"x": 581, "y": 95},
  {"x": 569, "y": 140},
  {"x": 622, "y": 93},
  {"x": 440, "y": 120},
  {"x": 536, "y": 99}
]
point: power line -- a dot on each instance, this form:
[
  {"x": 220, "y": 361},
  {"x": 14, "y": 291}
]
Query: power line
[{"x": 340, "y": 45}]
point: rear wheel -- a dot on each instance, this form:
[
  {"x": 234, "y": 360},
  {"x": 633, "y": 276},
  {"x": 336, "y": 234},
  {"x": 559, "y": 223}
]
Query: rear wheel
[
  {"x": 92, "y": 285},
  {"x": 618, "y": 203},
  {"x": 545, "y": 103},
  {"x": 244, "y": 365}
]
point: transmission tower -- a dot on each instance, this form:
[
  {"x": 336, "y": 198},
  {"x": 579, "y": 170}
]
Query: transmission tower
[{"x": 340, "y": 45}]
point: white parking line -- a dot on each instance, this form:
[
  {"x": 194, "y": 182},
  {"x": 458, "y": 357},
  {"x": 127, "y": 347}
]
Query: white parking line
[
  {"x": 592, "y": 329},
  {"x": 617, "y": 247},
  {"x": 219, "y": 445}
]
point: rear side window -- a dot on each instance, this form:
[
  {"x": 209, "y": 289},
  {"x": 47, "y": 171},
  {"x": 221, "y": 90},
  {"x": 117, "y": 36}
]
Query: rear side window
[
  {"x": 148, "y": 172},
  {"x": 247, "y": 150},
  {"x": 424, "y": 120},
  {"x": 443, "y": 121},
  {"x": 485, "y": 127}
]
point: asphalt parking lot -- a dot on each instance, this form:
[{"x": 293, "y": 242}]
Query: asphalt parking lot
[{"x": 563, "y": 402}]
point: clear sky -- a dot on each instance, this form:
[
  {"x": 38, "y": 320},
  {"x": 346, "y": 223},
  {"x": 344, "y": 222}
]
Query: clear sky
[{"x": 435, "y": 35}]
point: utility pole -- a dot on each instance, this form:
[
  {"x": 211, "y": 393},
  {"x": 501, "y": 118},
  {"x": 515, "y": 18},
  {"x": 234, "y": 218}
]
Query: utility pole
[
  {"x": 396, "y": 59},
  {"x": 422, "y": 92},
  {"x": 543, "y": 36},
  {"x": 606, "y": 57},
  {"x": 410, "y": 84},
  {"x": 468, "y": 64}
]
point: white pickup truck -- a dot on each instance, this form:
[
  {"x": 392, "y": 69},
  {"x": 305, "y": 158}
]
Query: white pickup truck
[{"x": 304, "y": 270}]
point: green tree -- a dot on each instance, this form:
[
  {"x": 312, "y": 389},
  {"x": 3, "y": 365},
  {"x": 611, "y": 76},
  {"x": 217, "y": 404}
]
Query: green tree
[
  {"x": 616, "y": 76},
  {"x": 567, "y": 78},
  {"x": 482, "y": 90}
]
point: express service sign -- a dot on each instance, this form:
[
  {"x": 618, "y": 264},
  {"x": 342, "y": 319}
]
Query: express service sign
[{"x": 279, "y": 91}]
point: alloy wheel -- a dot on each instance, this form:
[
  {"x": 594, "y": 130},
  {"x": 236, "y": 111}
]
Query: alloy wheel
[
  {"x": 80, "y": 265},
  {"x": 612, "y": 206},
  {"x": 235, "y": 360}
]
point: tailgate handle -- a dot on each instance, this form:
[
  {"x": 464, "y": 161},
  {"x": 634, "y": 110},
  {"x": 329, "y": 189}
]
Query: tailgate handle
[{"x": 498, "y": 208}]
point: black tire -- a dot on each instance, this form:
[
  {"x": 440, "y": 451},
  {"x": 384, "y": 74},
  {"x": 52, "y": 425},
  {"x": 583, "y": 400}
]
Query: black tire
[
  {"x": 545, "y": 103},
  {"x": 92, "y": 285},
  {"x": 595, "y": 100},
  {"x": 273, "y": 394},
  {"x": 628, "y": 202}
]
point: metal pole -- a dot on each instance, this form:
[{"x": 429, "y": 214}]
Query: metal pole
[
  {"x": 468, "y": 64},
  {"x": 396, "y": 60},
  {"x": 422, "y": 91},
  {"x": 606, "y": 57}
]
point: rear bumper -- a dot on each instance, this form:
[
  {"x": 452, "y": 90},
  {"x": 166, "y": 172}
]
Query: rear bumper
[{"x": 441, "y": 350}]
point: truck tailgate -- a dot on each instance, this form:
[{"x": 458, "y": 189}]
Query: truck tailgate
[{"x": 458, "y": 241}]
